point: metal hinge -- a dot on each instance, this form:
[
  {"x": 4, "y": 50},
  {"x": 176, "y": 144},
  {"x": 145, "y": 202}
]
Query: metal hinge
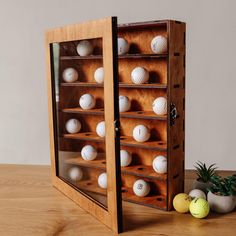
[{"x": 117, "y": 125}]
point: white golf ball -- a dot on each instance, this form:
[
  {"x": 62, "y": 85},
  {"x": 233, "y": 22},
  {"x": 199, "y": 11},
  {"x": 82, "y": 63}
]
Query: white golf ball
[
  {"x": 159, "y": 44},
  {"x": 70, "y": 75},
  {"x": 125, "y": 158},
  {"x": 99, "y": 75},
  {"x": 141, "y": 133},
  {"x": 159, "y": 106},
  {"x": 123, "y": 46},
  {"x": 141, "y": 188},
  {"x": 101, "y": 129},
  {"x": 102, "y": 180},
  {"x": 89, "y": 153},
  {"x": 84, "y": 48},
  {"x": 87, "y": 101},
  {"x": 197, "y": 193},
  {"x": 124, "y": 103},
  {"x": 73, "y": 126},
  {"x": 159, "y": 164},
  {"x": 139, "y": 75},
  {"x": 75, "y": 173}
]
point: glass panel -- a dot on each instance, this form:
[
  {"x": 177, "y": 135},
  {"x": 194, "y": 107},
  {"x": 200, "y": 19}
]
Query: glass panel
[{"x": 79, "y": 116}]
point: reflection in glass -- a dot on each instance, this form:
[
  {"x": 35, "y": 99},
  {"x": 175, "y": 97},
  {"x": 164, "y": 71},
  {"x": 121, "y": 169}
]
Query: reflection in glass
[{"x": 79, "y": 114}]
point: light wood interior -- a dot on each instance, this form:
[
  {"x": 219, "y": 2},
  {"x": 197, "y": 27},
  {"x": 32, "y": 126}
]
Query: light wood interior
[{"x": 140, "y": 37}]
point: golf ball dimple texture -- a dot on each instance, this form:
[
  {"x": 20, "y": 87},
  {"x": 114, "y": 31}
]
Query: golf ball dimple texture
[
  {"x": 197, "y": 193},
  {"x": 124, "y": 103},
  {"x": 159, "y": 44},
  {"x": 75, "y": 173},
  {"x": 101, "y": 129},
  {"x": 89, "y": 153},
  {"x": 125, "y": 158},
  {"x": 141, "y": 188},
  {"x": 123, "y": 46},
  {"x": 87, "y": 101},
  {"x": 73, "y": 126},
  {"x": 199, "y": 208},
  {"x": 102, "y": 180},
  {"x": 139, "y": 75},
  {"x": 159, "y": 106},
  {"x": 159, "y": 164},
  {"x": 141, "y": 133},
  {"x": 70, "y": 75},
  {"x": 99, "y": 75},
  {"x": 84, "y": 48}
]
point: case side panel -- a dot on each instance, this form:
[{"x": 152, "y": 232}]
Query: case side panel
[{"x": 176, "y": 98}]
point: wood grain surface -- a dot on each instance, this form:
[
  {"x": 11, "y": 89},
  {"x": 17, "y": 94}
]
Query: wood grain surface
[{"x": 31, "y": 206}]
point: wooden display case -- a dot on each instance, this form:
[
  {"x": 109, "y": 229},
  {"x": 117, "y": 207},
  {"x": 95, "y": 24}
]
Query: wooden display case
[{"x": 166, "y": 79}]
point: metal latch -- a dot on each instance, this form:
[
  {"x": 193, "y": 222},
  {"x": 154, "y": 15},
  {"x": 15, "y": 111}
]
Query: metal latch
[{"x": 173, "y": 113}]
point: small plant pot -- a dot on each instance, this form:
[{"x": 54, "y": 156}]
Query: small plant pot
[
  {"x": 197, "y": 184},
  {"x": 221, "y": 204}
]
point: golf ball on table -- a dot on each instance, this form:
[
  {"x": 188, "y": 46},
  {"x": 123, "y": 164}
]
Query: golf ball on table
[
  {"x": 87, "y": 101},
  {"x": 84, "y": 48},
  {"x": 141, "y": 133},
  {"x": 159, "y": 44},
  {"x": 159, "y": 164},
  {"x": 139, "y": 75},
  {"x": 124, "y": 103},
  {"x": 75, "y": 173},
  {"x": 141, "y": 188},
  {"x": 89, "y": 153},
  {"x": 199, "y": 208},
  {"x": 197, "y": 193},
  {"x": 102, "y": 180},
  {"x": 101, "y": 129},
  {"x": 99, "y": 75},
  {"x": 123, "y": 46},
  {"x": 70, "y": 75},
  {"x": 125, "y": 158},
  {"x": 73, "y": 126},
  {"x": 159, "y": 106}
]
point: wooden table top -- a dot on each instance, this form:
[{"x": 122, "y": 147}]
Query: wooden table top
[{"x": 29, "y": 205}]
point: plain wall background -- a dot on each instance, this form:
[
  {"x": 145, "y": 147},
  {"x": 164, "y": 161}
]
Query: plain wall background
[{"x": 211, "y": 81}]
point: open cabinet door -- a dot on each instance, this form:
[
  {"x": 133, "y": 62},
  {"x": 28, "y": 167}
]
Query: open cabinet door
[{"x": 84, "y": 117}]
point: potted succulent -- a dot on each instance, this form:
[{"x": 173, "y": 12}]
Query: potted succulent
[
  {"x": 204, "y": 173},
  {"x": 222, "y": 194}
]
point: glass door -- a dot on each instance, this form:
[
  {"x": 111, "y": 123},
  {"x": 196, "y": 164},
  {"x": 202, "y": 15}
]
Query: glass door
[{"x": 84, "y": 116}]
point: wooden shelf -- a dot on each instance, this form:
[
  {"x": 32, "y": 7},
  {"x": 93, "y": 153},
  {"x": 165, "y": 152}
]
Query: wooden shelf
[
  {"x": 144, "y": 86},
  {"x": 143, "y": 171},
  {"x": 142, "y": 115},
  {"x": 156, "y": 201},
  {"x": 82, "y": 84},
  {"x": 100, "y": 57},
  {"x": 78, "y": 110},
  {"x": 136, "y": 170},
  {"x": 153, "y": 145},
  {"x": 124, "y": 141},
  {"x": 88, "y": 136},
  {"x": 121, "y": 85},
  {"x": 129, "y": 114},
  {"x": 90, "y": 186},
  {"x": 98, "y": 163}
]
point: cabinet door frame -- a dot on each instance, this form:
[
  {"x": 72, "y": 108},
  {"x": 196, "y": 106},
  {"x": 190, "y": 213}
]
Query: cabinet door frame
[{"x": 107, "y": 30}]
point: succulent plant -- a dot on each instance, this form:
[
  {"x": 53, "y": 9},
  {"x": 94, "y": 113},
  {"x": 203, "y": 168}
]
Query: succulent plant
[
  {"x": 205, "y": 173},
  {"x": 223, "y": 186}
]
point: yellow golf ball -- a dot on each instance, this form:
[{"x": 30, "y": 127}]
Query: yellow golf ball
[
  {"x": 181, "y": 202},
  {"x": 199, "y": 208}
]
